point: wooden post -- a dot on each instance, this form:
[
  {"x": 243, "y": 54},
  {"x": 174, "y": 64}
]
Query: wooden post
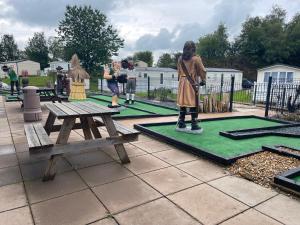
[
  {"x": 49, "y": 123},
  {"x": 112, "y": 131}
]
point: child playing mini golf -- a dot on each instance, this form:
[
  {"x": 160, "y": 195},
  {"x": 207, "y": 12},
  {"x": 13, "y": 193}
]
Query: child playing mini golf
[
  {"x": 191, "y": 74},
  {"x": 13, "y": 80},
  {"x": 111, "y": 74}
]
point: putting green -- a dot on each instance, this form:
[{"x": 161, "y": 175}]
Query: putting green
[
  {"x": 125, "y": 112},
  {"x": 297, "y": 179},
  {"x": 212, "y": 142},
  {"x": 142, "y": 106}
]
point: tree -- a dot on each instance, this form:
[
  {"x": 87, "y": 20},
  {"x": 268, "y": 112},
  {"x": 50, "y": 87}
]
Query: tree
[
  {"x": 8, "y": 48},
  {"x": 37, "y": 49},
  {"x": 86, "y": 31},
  {"x": 165, "y": 60},
  {"x": 214, "y": 47},
  {"x": 145, "y": 56},
  {"x": 56, "y": 48},
  {"x": 263, "y": 40},
  {"x": 293, "y": 40}
]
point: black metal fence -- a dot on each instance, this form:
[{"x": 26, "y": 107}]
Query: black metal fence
[{"x": 282, "y": 99}]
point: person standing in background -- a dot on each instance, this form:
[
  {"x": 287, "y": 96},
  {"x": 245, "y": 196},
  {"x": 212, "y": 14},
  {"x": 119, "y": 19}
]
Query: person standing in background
[
  {"x": 59, "y": 80},
  {"x": 13, "y": 80},
  {"x": 131, "y": 82}
]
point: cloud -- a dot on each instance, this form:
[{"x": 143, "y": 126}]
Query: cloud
[
  {"x": 230, "y": 12},
  {"x": 47, "y": 12}
]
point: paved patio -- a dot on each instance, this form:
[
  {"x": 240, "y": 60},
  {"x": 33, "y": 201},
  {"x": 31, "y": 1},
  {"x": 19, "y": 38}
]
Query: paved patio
[{"x": 161, "y": 185}]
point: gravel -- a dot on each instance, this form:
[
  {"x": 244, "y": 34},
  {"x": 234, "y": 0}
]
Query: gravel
[{"x": 261, "y": 168}]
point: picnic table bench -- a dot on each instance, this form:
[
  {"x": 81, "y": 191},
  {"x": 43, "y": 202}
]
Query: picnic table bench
[{"x": 90, "y": 116}]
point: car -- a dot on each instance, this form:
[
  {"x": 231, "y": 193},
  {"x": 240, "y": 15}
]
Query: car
[{"x": 247, "y": 84}]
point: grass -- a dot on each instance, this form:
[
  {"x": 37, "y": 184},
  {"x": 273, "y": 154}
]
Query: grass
[
  {"x": 211, "y": 141},
  {"x": 38, "y": 81}
]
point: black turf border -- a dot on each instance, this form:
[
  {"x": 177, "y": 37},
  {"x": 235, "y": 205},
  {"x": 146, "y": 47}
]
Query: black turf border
[
  {"x": 150, "y": 115},
  {"x": 197, "y": 151},
  {"x": 232, "y": 135},
  {"x": 275, "y": 149},
  {"x": 285, "y": 180}
]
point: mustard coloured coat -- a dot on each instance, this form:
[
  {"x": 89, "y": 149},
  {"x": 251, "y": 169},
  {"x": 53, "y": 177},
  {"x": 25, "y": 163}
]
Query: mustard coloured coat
[{"x": 186, "y": 95}]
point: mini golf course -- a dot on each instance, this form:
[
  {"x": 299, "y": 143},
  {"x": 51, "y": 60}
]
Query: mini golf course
[
  {"x": 216, "y": 147},
  {"x": 137, "y": 110}
]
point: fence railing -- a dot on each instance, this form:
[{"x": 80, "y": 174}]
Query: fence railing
[
  {"x": 275, "y": 97},
  {"x": 282, "y": 98}
]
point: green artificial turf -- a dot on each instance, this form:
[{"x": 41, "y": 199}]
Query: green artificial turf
[
  {"x": 125, "y": 112},
  {"x": 211, "y": 141},
  {"x": 297, "y": 179},
  {"x": 143, "y": 106}
]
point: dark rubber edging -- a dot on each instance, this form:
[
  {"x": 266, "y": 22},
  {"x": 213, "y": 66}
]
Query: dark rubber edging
[
  {"x": 285, "y": 180},
  {"x": 276, "y": 150},
  {"x": 232, "y": 135},
  {"x": 197, "y": 151}
]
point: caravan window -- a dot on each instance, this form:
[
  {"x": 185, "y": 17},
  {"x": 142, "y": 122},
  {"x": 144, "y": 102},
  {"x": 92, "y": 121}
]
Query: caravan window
[
  {"x": 145, "y": 75},
  {"x": 274, "y": 77},
  {"x": 266, "y": 77},
  {"x": 282, "y": 77},
  {"x": 161, "y": 78},
  {"x": 289, "y": 77}
]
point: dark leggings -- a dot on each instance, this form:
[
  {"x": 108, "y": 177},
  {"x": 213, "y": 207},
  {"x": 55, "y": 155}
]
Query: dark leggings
[{"x": 12, "y": 84}]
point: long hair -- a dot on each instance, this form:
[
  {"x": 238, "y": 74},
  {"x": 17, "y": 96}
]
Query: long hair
[{"x": 189, "y": 50}]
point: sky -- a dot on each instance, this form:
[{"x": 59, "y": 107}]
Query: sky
[{"x": 156, "y": 25}]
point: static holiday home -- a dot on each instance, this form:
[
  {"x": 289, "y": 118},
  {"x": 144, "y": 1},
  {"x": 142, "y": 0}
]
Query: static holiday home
[{"x": 23, "y": 67}]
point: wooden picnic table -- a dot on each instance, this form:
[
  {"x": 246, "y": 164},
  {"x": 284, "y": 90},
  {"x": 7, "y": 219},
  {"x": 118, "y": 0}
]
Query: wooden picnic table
[{"x": 90, "y": 116}]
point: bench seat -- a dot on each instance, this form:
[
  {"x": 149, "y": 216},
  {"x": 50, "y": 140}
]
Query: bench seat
[
  {"x": 37, "y": 137},
  {"x": 121, "y": 129}
]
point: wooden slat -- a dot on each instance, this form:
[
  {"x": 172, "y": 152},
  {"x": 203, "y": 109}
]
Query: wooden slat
[
  {"x": 67, "y": 110},
  {"x": 83, "y": 107},
  {"x": 32, "y": 138},
  {"x": 75, "y": 108},
  {"x": 120, "y": 128},
  {"x": 56, "y": 111},
  {"x": 101, "y": 107},
  {"x": 42, "y": 135},
  {"x": 92, "y": 107}
]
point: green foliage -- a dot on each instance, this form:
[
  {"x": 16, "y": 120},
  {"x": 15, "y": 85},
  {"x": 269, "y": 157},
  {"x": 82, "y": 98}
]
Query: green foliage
[
  {"x": 8, "y": 48},
  {"x": 86, "y": 31},
  {"x": 263, "y": 41},
  {"x": 293, "y": 40},
  {"x": 56, "y": 48},
  {"x": 37, "y": 49},
  {"x": 145, "y": 56},
  {"x": 166, "y": 60},
  {"x": 214, "y": 46}
]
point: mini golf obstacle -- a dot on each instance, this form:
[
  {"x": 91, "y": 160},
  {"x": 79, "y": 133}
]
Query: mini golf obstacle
[
  {"x": 220, "y": 148},
  {"x": 139, "y": 109},
  {"x": 289, "y": 181}
]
